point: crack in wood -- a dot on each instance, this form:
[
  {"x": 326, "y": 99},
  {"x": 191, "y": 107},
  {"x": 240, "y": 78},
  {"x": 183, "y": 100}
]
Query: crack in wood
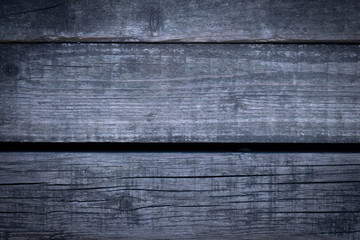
[{"x": 35, "y": 10}]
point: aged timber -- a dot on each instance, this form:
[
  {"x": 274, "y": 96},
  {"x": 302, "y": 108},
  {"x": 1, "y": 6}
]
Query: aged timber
[
  {"x": 180, "y": 195},
  {"x": 178, "y": 20},
  {"x": 179, "y": 93}
]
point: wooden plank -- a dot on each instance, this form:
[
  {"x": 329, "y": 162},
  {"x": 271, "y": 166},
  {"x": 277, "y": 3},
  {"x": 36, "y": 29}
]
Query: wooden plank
[
  {"x": 180, "y": 195},
  {"x": 179, "y": 93},
  {"x": 184, "y": 21}
]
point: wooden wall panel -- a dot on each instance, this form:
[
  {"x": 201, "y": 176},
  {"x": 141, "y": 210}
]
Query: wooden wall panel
[
  {"x": 179, "y": 93},
  {"x": 184, "y": 21},
  {"x": 94, "y": 72},
  {"x": 179, "y": 195}
]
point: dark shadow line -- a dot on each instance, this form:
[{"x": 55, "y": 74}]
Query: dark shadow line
[
  {"x": 179, "y": 147},
  {"x": 129, "y": 41}
]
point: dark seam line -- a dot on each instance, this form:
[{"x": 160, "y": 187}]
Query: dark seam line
[
  {"x": 180, "y": 147},
  {"x": 82, "y": 41}
]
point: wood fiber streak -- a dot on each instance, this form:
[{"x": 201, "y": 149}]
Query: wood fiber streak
[
  {"x": 179, "y": 93},
  {"x": 179, "y": 20},
  {"x": 180, "y": 195}
]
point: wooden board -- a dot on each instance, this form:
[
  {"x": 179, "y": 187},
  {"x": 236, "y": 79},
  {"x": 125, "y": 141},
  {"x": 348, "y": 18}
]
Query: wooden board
[
  {"x": 179, "y": 93},
  {"x": 184, "y": 21},
  {"x": 180, "y": 195}
]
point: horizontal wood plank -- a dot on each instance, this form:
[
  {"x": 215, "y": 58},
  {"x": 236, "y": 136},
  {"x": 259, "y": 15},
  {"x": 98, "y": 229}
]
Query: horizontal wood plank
[
  {"x": 180, "y": 195},
  {"x": 178, "y": 20},
  {"x": 179, "y": 93}
]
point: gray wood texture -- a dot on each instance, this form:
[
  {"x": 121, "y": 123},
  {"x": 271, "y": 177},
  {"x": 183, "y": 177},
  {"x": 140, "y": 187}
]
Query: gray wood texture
[
  {"x": 180, "y": 196},
  {"x": 180, "y": 93},
  {"x": 180, "y": 20}
]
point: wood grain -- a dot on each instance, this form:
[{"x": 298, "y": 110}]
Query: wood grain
[
  {"x": 178, "y": 20},
  {"x": 179, "y": 195},
  {"x": 179, "y": 93}
]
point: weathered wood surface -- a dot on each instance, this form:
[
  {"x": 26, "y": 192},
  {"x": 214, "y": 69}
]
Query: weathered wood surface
[
  {"x": 179, "y": 93},
  {"x": 180, "y": 20},
  {"x": 180, "y": 195}
]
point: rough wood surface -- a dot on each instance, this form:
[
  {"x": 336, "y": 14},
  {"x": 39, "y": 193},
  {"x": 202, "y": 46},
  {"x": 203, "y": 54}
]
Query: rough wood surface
[
  {"x": 179, "y": 93},
  {"x": 180, "y": 195},
  {"x": 180, "y": 20}
]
